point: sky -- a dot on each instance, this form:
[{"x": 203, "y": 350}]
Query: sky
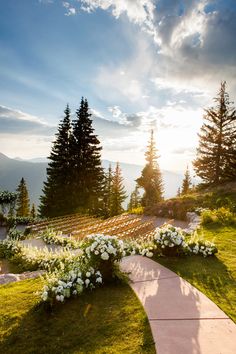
[{"x": 142, "y": 65}]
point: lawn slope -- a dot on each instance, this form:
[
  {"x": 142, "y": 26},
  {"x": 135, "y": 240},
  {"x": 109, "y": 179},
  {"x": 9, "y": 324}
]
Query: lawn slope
[{"x": 107, "y": 320}]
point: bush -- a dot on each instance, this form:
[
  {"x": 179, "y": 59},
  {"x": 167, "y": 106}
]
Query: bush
[
  {"x": 137, "y": 211},
  {"x": 221, "y": 216}
]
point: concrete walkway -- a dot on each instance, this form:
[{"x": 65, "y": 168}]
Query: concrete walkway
[{"x": 182, "y": 319}]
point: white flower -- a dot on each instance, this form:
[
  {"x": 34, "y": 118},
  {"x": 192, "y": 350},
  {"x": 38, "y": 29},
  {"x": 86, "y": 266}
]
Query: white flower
[
  {"x": 87, "y": 281},
  {"x": 149, "y": 254},
  {"x": 88, "y": 274},
  {"x": 105, "y": 256},
  {"x": 99, "y": 280}
]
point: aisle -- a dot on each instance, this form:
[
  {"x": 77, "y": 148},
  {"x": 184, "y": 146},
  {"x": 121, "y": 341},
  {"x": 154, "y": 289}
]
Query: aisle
[{"x": 182, "y": 319}]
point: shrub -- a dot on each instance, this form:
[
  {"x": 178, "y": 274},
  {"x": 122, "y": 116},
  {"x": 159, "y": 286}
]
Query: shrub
[
  {"x": 221, "y": 216},
  {"x": 15, "y": 234},
  {"x": 137, "y": 211}
]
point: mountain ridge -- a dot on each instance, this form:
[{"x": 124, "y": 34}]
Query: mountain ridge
[{"x": 13, "y": 169}]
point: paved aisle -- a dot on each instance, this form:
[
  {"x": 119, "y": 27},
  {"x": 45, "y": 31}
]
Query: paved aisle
[{"x": 182, "y": 319}]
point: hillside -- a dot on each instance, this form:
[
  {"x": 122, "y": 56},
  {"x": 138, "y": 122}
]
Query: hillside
[{"x": 34, "y": 172}]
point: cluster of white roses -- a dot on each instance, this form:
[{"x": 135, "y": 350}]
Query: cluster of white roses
[
  {"x": 62, "y": 285},
  {"x": 103, "y": 247},
  {"x": 52, "y": 237},
  {"x": 204, "y": 248},
  {"x": 169, "y": 236},
  {"x": 133, "y": 247}
]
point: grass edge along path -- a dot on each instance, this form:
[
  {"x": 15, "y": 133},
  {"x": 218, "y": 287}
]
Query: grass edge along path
[
  {"x": 214, "y": 276},
  {"x": 107, "y": 320}
]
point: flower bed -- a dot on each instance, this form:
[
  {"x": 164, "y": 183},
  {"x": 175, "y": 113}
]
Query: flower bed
[
  {"x": 201, "y": 247},
  {"x": 62, "y": 285},
  {"x": 52, "y": 237}
]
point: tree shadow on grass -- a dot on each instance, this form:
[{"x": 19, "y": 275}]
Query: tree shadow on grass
[
  {"x": 108, "y": 320},
  {"x": 210, "y": 275}
]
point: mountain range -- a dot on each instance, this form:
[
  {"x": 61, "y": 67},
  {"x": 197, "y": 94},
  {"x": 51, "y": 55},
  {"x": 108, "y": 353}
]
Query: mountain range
[{"x": 34, "y": 172}]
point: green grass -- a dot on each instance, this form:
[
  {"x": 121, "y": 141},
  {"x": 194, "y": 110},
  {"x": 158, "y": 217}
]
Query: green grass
[
  {"x": 214, "y": 276},
  {"x": 107, "y": 320}
]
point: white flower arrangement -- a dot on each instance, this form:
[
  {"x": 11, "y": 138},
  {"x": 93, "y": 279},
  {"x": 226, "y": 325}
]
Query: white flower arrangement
[
  {"x": 169, "y": 236},
  {"x": 52, "y": 237},
  {"x": 201, "y": 247},
  {"x": 139, "y": 247},
  {"x": 63, "y": 285},
  {"x": 31, "y": 258},
  {"x": 103, "y": 247}
]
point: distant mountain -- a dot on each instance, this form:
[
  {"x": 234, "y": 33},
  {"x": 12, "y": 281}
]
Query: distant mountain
[
  {"x": 34, "y": 172},
  {"x": 11, "y": 172}
]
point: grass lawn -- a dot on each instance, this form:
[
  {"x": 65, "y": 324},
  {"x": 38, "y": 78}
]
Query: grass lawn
[
  {"x": 214, "y": 276},
  {"x": 107, "y": 320}
]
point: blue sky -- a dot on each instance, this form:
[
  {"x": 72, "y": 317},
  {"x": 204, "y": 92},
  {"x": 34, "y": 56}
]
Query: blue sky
[{"x": 141, "y": 64}]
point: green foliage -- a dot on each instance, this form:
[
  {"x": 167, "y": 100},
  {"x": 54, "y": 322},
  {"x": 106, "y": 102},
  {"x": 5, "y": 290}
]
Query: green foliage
[
  {"x": 86, "y": 170},
  {"x": 22, "y": 202},
  {"x": 107, "y": 193},
  {"x": 137, "y": 211},
  {"x": 186, "y": 183},
  {"x": 15, "y": 234},
  {"x": 56, "y": 196},
  {"x": 211, "y": 198},
  {"x": 7, "y": 202},
  {"x": 151, "y": 179},
  {"x": 118, "y": 195},
  {"x": 33, "y": 212},
  {"x": 135, "y": 199},
  {"x": 221, "y": 216},
  {"x": 216, "y": 155}
]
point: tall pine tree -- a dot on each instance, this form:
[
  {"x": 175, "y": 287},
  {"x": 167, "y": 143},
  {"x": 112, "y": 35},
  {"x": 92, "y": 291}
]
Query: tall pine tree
[
  {"x": 118, "y": 192},
  {"x": 22, "y": 202},
  {"x": 87, "y": 171},
  {"x": 186, "y": 185},
  {"x": 135, "y": 199},
  {"x": 151, "y": 179},
  {"x": 216, "y": 154},
  {"x": 107, "y": 192},
  {"x": 56, "y": 198}
]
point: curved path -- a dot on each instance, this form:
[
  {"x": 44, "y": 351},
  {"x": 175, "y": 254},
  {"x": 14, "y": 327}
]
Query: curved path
[{"x": 182, "y": 319}]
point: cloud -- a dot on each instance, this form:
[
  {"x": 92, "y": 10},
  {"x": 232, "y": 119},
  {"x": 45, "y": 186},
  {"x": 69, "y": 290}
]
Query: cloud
[
  {"x": 70, "y": 10},
  {"x": 195, "y": 40},
  {"x": 16, "y": 122}
]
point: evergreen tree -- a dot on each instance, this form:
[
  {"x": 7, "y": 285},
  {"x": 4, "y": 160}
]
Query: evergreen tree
[
  {"x": 216, "y": 154},
  {"x": 22, "y": 202},
  {"x": 186, "y": 185},
  {"x": 56, "y": 198},
  {"x": 178, "y": 192},
  {"x": 107, "y": 192},
  {"x": 151, "y": 179},
  {"x": 87, "y": 171},
  {"x": 135, "y": 199},
  {"x": 33, "y": 212},
  {"x": 118, "y": 192}
]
